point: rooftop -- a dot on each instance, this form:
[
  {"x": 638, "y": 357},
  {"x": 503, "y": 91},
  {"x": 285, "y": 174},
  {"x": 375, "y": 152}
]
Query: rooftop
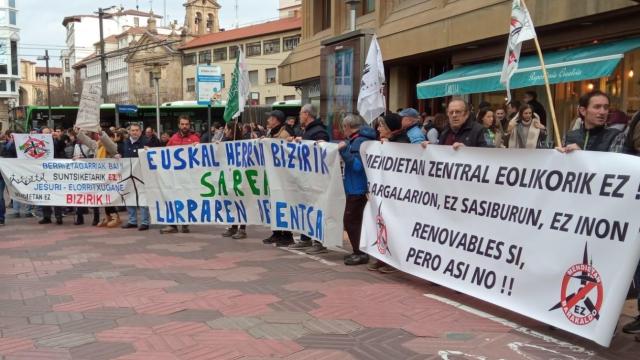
[
  {"x": 246, "y": 32},
  {"x": 52, "y": 70}
]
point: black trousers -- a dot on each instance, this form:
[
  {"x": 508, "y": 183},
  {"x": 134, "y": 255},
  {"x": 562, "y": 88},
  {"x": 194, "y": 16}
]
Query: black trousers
[
  {"x": 353, "y": 211},
  {"x": 46, "y": 212}
]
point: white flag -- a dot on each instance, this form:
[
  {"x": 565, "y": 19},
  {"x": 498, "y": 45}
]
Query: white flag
[
  {"x": 371, "y": 101},
  {"x": 520, "y": 30}
]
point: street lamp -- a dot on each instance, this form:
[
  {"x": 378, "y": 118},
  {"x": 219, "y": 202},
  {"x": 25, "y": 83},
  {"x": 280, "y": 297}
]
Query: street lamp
[
  {"x": 46, "y": 59},
  {"x": 156, "y": 72}
]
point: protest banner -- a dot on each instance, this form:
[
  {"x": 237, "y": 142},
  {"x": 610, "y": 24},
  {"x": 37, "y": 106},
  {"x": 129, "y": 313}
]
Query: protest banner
[
  {"x": 34, "y": 146},
  {"x": 538, "y": 232},
  {"x": 86, "y": 182},
  {"x": 307, "y": 194},
  {"x": 89, "y": 110},
  {"x": 214, "y": 183}
]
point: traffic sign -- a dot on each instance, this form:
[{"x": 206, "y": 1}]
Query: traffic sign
[
  {"x": 127, "y": 108},
  {"x": 208, "y": 83}
]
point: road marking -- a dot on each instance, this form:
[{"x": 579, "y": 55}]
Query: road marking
[
  {"x": 312, "y": 257},
  {"x": 514, "y": 326},
  {"x": 444, "y": 355},
  {"x": 516, "y": 347}
]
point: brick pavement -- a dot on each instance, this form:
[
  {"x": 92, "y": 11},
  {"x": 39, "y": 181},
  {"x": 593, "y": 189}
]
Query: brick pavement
[{"x": 76, "y": 292}]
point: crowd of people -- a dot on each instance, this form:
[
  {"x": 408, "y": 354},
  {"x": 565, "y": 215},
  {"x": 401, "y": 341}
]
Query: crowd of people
[{"x": 518, "y": 125}]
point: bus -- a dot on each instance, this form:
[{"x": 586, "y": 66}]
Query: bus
[{"x": 27, "y": 118}]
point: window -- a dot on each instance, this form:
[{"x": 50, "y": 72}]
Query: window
[
  {"x": 253, "y": 77},
  {"x": 220, "y": 54},
  {"x": 368, "y": 6},
  {"x": 271, "y": 75},
  {"x": 12, "y": 17},
  {"x": 189, "y": 59},
  {"x": 136, "y": 21},
  {"x": 204, "y": 57},
  {"x": 3, "y": 85},
  {"x": 289, "y": 97},
  {"x": 14, "y": 58},
  {"x": 4, "y": 69},
  {"x": 289, "y": 43},
  {"x": 210, "y": 23},
  {"x": 323, "y": 20},
  {"x": 191, "y": 85},
  {"x": 254, "y": 49},
  {"x": 67, "y": 82},
  {"x": 233, "y": 51},
  {"x": 12, "y": 3},
  {"x": 272, "y": 46},
  {"x": 66, "y": 65},
  {"x": 151, "y": 83},
  {"x": 269, "y": 100},
  {"x": 13, "y": 86}
]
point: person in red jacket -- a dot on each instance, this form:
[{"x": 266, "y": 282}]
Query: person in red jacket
[{"x": 184, "y": 136}]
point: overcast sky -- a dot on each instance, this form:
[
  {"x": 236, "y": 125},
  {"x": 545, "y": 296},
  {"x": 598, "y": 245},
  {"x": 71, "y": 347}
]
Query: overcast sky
[{"x": 40, "y": 21}]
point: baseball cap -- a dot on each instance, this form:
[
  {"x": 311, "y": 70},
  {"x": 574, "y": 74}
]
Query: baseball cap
[
  {"x": 277, "y": 114},
  {"x": 409, "y": 112}
]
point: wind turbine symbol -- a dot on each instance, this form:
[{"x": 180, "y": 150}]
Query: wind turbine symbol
[{"x": 133, "y": 179}]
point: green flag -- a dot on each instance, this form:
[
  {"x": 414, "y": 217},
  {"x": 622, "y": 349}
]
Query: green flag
[{"x": 239, "y": 89}]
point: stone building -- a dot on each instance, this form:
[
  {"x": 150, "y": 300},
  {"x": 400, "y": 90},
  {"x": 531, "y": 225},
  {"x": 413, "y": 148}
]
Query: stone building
[{"x": 33, "y": 84}]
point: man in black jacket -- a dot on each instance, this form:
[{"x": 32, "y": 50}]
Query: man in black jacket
[
  {"x": 314, "y": 130},
  {"x": 593, "y": 135},
  {"x": 58, "y": 153},
  {"x": 462, "y": 131},
  {"x": 134, "y": 143}
]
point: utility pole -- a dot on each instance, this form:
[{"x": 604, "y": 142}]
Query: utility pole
[
  {"x": 103, "y": 66},
  {"x": 46, "y": 59}
]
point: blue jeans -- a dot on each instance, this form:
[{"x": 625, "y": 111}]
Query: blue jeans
[
  {"x": 3, "y": 208},
  {"x": 17, "y": 205},
  {"x": 133, "y": 212}
]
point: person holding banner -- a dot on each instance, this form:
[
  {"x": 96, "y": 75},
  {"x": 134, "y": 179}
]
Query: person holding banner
[
  {"x": 232, "y": 132},
  {"x": 134, "y": 143},
  {"x": 184, "y": 136},
  {"x": 461, "y": 131},
  {"x": 278, "y": 129},
  {"x": 355, "y": 183},
  {"x": 84, "y": 151},
  {"x": 411, "y": 125},
  {"x": 593, "y": 135},
  {"x": 58, "y": 153}
]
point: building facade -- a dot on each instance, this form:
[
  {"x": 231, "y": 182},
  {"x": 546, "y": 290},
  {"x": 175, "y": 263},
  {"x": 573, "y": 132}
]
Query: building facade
[
  {"x": 9, "y": 64},
  {"x": 83, "y": 31},
  {"x": 33, "y": 84},
  {"x": 421, "y": 39},
  {"x": 265, "y": 46}
]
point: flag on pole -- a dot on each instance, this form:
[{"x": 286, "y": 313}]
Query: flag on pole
[
  {"x": 520, "y": 30},
  {"x": 239, "y": 90},
  {"x": 371, "y": 101}
]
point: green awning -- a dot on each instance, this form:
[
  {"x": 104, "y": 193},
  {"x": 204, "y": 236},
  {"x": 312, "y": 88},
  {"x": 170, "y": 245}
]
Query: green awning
[{"x": 577, "y": 64}]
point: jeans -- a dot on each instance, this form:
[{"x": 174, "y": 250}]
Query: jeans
[
  {"x": 3, "y": 208},
  {"x": 636, "y": 283},
  {"x": 144, "y": 215},
  {"x": 18, "y": 205}
]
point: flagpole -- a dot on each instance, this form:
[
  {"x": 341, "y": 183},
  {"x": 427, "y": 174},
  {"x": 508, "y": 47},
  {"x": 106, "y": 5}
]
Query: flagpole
[{"x": 547, "y": 86}]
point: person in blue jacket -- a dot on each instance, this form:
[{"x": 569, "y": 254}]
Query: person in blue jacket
[{"x": 355, "y": 182}]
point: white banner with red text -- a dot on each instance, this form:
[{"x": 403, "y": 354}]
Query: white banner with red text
[
  {"x": 83, "y": 183},
  {"x": 548, "y": 235}
]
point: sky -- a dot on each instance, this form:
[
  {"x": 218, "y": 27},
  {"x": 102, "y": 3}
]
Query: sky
[{"x": 40, "y": 21}]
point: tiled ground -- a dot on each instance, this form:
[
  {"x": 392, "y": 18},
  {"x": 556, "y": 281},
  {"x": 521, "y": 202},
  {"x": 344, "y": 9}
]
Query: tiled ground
[{"x": 69, "y": 292}]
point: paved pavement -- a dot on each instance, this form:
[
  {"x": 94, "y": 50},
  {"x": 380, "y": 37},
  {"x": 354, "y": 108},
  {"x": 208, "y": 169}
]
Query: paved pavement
[{"x": 76, "y": 292}]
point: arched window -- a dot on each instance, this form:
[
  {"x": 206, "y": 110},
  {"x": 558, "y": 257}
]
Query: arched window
[
  {"x": 210, "y": 23},
  {"x": 199, "y": 24}
]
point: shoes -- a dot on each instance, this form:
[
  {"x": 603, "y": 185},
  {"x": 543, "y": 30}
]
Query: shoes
[
  {"x": 16, "y": 215},
  {"x": 356, "y": 259},
  {"x": 29, "y": 215},
  {"x": 632, "y": 327},
  {"x": 1, "y": 222},
  {"x": 185, "y": 229},
  {"x": 229, "y": 232},
  {"x": 44, "y": 221},
  {"x": 59, "y": 221},
  {"x": 301, "y": 245},
  {"x": 316, "y": 248},
  {"x": 241, "y": 234},
  {"x": 143, "y": 227},
  {"x": 103, "y": 223},
  {"x": 96, "y": 221},
  {"x": 169, "y": 230},
  {"x": 270, "y": 240},
  {"x": 79, "y": 220},
  {"x": 387, "y": 269},
  {"x": 374, "y": 266},
  {"x": 115, "y": 221},
  {"x": 129, "y": 226}
]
